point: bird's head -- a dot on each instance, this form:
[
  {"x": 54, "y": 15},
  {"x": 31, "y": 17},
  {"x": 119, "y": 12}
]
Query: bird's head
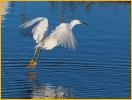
[{"x": 76, "y": 22}]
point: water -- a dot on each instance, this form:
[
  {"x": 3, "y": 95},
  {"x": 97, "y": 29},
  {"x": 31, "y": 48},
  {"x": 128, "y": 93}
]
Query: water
[{"x": 98, "y": 68}]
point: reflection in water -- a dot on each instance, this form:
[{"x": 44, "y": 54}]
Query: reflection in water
[
  {"x": 46, "y": 91},
  {"x": 69, "y": 7},
  {"x": 23, "y": 19},
  {"x": 88, "y": 6},
  {"x": 73, "y": 7},
  {"x": 5, "y": 6},
  {"x": 62, "y": 13},
  {"x": 24, "y": 13}
]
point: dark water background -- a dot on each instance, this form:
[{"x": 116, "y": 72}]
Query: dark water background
[{"x": 99, "y": 68}]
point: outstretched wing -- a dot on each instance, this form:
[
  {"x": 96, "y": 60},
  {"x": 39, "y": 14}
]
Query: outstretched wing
[
  {"x": 31, "y": 22},
  {"x": 39, "y": 30},
  {"x": 64, "y": 36}
]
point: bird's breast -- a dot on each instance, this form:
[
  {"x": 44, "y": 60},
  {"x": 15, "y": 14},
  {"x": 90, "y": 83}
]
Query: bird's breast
[{"x": 50, "y": 44}]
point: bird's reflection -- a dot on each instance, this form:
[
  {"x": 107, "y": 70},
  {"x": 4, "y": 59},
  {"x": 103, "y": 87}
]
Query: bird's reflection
[{"x": 46, "y": 90}]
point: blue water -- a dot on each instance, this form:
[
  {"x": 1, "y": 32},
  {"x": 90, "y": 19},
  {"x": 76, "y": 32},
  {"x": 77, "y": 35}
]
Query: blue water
[{"x": 98, "y": 68}]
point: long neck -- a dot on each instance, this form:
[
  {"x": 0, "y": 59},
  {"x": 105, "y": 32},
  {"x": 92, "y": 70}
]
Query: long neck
[{"x": 72, "y": 23}]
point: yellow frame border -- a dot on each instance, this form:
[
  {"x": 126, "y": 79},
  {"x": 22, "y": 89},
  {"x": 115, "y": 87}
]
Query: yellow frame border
[{"x": 68, "y": 1}]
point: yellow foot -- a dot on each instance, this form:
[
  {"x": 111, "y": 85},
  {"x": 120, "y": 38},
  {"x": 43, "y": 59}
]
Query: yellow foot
[{"x": 32, "y": 64}]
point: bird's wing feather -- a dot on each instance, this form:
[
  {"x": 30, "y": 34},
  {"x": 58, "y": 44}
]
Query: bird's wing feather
[
  {"x": 39, "y": 30},
  {"x": 30, "y": 23},
  {"x": 64, "y": 36}
]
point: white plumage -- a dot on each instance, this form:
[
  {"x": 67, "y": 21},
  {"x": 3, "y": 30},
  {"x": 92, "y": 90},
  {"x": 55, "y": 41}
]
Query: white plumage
[
  {"x": 39, "y": 30},
  {"x": 62, "y": 35},
  {"x": 29, "y": 23}
]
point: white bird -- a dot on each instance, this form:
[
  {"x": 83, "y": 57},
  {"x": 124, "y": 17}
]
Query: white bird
[{"x": 62, "y": 35}]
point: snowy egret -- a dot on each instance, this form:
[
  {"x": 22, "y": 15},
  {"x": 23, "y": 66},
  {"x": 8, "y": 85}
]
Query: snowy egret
[{"x": 62, "y": 35}]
